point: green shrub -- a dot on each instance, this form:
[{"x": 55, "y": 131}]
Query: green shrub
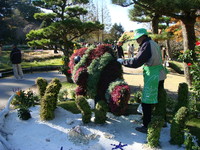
[
  {"x": 54, "y": 87},
  {"x": 49, "y": 100},
  {"x": 154, "y": 129},
  {"x": 41, "y": 85},
  {"x": 178, "y": 126},
  {"x": 170, "y": 104},
  {"x": 72, "y": 94},
  {"x": 62, "y": 95},
  {"x": 100, "y": 112},
  {"x": 84, "y": 107},
  {"x": 160, "y": 107},
  {"x": 190, "y": 142},
  {"x": 23, "y": 113},
  {"x": 47, "y": 109},
  {"x": 24, "y": 99},
  {"x": 182, "y": 96},
  {"x": 138, "y": 96}
]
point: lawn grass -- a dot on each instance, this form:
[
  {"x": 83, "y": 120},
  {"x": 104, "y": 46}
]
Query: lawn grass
[
  {"x": 5, "y": 63},
  {"x": 49, "y": 62},
  {"x": 176, "y": 66},
  {"x": 69, "y": 105}
]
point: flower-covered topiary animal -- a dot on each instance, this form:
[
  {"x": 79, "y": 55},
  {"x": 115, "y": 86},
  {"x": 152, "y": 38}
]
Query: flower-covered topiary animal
[{"x": 99, "y": 76}]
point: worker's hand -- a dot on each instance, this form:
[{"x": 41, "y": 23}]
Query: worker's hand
[{"x": 120, "y": 60}]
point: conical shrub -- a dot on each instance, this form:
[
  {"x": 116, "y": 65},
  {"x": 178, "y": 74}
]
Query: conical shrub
[{"x": 178, "y": 126}]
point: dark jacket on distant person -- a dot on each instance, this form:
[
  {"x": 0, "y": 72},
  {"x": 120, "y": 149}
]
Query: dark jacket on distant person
[
  {"x": 16, "y": 56},
  {"x": 120, "y": 52}
]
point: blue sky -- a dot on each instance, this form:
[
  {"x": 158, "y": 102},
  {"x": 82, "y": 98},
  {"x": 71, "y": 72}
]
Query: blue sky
[{"x": 120, "y": 15}]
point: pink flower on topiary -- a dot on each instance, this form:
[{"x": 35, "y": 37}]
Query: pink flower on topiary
[
  {"x": 119, "y": 99},
  {"x": 198, "y": 43},
  {"x": 81, "y": 90},
  {"x": 81, "y": 76},
  {"x": 69, "y": 71}
]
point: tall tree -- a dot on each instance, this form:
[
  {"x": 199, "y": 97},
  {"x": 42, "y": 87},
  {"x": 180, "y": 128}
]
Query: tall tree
[
  {"x": 16, "y": 20},
  {"x": 66, "y": 25},
  {"x": 184, "y": 10},
  {"x": 65, "y": 28},
  {"x": 103, "y": 16},
  {"x": 116, "y": 32},
  {"x": 5, "y": 13}
]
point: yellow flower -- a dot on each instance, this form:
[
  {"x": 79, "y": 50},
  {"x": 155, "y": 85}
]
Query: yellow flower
[
  {"x": 63, "y": 62},
  {"x": 74, "y": 44},
  {"x": 75, "y": 50}
]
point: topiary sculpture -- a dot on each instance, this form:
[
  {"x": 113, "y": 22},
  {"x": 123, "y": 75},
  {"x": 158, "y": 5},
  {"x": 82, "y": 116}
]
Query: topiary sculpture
[
  {"x": 49, "y": 100},
  {"x": 178, "y": 126},
  {"x": 154, "y": 129},
  {"x": 41, "y": 85},
  {"x": 84, "y": 107},
  {"x": 182, "y": 96},
  {"x": 99, "y": 76},
  {"x": 100, "y": 112}
]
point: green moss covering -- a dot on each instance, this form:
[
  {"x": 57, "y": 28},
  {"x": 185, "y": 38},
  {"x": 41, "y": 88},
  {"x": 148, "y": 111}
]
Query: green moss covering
[
  {"x": 154, "y": 129},
  {"x": 84, "y": 107},
  {"x": 182, "y": 96},
  {"x": 49, "y": 100},
  {"x": 160, "y": 107},
  {"x": 94, "y": 71},
  {"x": 178, "y": 126},
  {"x": 41, "y": 85},
  {"x": 100, "y": 112}
]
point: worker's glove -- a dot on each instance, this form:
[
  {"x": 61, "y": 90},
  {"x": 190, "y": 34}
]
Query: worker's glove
[{"x": 120, "y": 60}]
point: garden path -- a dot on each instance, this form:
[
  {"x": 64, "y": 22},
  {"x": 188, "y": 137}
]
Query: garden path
[
  {"x": 132, "y": 76},
  {"x": 8, "y": 84}
]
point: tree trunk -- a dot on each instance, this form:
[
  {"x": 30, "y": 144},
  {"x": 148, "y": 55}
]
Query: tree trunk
[
  {"x": 188, "y": 42},
  {"x": 155, "y": 22},
  {"x": 168, "y": 49}
]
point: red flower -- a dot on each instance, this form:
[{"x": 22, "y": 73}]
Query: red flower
[
  {"x": 198, "y": 43},
  {"x": 69, "y": 71},
  {"x": 189, "y": 64}
]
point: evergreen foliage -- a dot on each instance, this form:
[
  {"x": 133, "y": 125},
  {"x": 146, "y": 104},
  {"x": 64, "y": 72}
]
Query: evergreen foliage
[
  {"x": 24, "y": 99},
  {"x": 100, "y": 112},
  {"x": 41, "y": 85},
  {"x": 23, "y": 113},
  {"x": 94, "y": 71},
  {"x": 178, "y": 126},
  {"x": 190, "y": 141},
  {"x": 182, "y": 96},
  {"x": 49, "y": 100},
  {"x": 160, "y": 107},
  {"x": 154, "y": 129},
  {"x": 84, "y": 107},
  {"x": 47, "y": 108}
]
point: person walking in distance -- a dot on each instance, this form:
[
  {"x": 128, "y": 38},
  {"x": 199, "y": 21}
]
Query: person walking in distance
[
  {"x": 132, "y": 50},
  {"x": 149, "y": 56},
  {"x": 16, "y": 59},
  {"x": 120, "y": 52},
  {"x": 129, "y": 50}
]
